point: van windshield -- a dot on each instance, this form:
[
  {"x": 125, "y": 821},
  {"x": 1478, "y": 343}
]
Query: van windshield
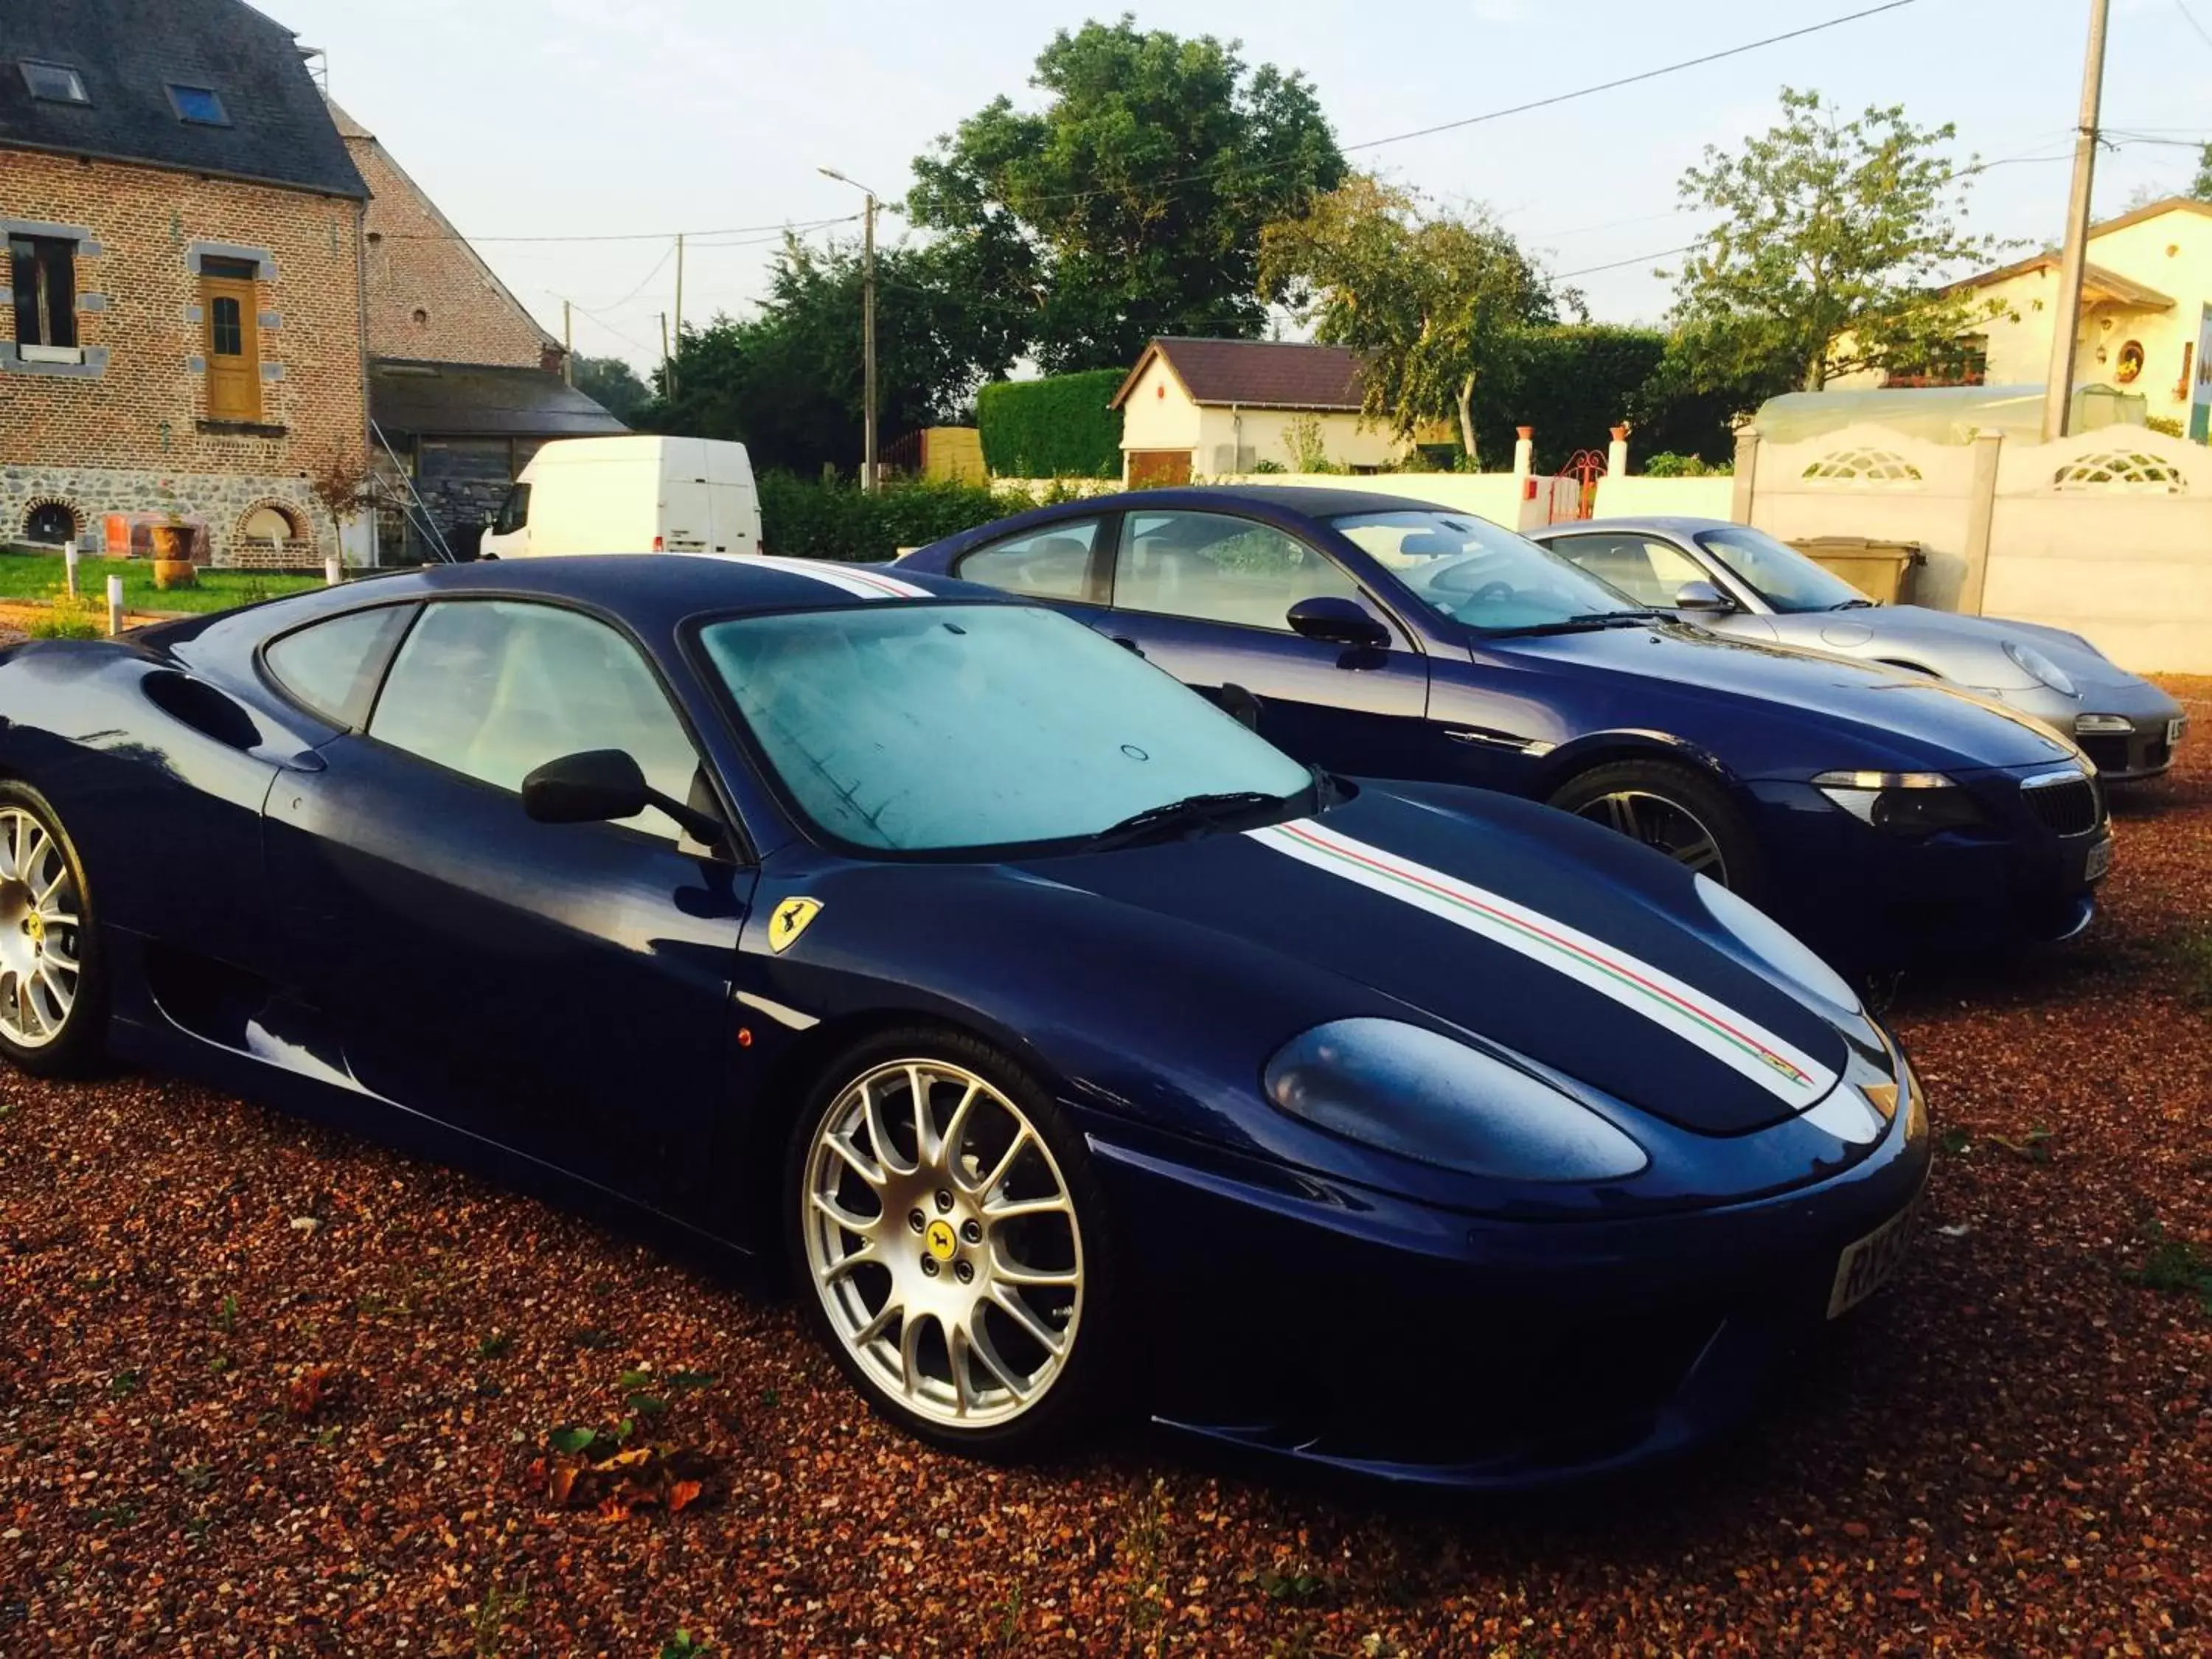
[{"x": 910, "y": 728}]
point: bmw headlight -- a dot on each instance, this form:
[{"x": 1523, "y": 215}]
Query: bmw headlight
[
  {"x": 1903, "y": 803},
  {"x": 2037, "y": 666},
  {"x": 1418, "y": 1093},
  {"x": 1776, "y": 945}
]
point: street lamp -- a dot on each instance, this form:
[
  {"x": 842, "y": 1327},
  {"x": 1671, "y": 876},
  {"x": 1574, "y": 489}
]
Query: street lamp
[{"x": 867, "y": 328}]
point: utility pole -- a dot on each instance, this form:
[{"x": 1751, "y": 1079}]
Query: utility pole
[
  {"x": 679, "y": 310},
  {"x": 667, "y": 368},
  {"x": 568, "y": 346},
  {"x": 2066, "y": 319},
  {"x": 867, "y": 327}
]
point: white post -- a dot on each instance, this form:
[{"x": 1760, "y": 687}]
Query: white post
[
  {"x": 114, "y": 604},
  {"x": 1616, "y": 454},
  {"x": 1524, "y": 451},
  {"x": 333, "y": 572},
  {"x": 68, "y": 566}
]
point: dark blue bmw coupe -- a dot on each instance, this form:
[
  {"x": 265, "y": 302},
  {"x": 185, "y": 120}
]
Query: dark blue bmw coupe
[
  {"x": 1078, "y": 1049},
  {"x": 1871, "y": 810}
]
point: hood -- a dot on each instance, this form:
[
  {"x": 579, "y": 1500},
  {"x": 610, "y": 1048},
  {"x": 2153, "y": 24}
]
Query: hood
[
  {"x": 1942, "y": 727},
  {"x": 1553, "y": 938},
  {"x": 1946, "y": 630}
]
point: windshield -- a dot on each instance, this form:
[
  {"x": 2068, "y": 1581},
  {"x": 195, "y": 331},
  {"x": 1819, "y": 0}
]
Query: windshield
[
  {"x": 932, "y": 727},
  {"x": 1470, "y": 570},
  {"x": 1778, "y": 573}
]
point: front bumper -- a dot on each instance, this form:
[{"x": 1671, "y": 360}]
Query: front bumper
[
  {"x": 2153, "y": 722},
  {"x": 1292, "y": 1315},
  {"x": 1867, "y": 897},
  {"x": 2146, "y": 749}
]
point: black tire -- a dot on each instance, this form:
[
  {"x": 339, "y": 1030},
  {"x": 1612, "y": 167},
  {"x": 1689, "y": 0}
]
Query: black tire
[
  {"x": 1090, "y": 1386},
  {"x": 1740, "y": 867},
  {"x": 76, "y": 1042}
]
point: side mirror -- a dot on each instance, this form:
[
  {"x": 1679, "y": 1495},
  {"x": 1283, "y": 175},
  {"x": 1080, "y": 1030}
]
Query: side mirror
[
  {"x": 1701, "y": 596},
  {"x": 591, "y": 788},
  {"x": 1241, "y": 706},
  {"x": 1337, "y": 620}
]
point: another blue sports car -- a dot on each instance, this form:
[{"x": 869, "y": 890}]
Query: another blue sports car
[
  {"x": 1078, "y": 1050},
  {"x": 1871, "y": 810}
]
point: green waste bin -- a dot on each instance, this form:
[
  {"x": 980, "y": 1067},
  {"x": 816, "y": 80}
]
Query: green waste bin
[{"x": 1880, "y": 570}]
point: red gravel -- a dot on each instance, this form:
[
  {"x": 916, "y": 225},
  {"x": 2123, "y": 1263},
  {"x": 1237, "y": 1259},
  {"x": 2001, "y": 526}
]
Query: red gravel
[{"x": 268, "y": 1390}]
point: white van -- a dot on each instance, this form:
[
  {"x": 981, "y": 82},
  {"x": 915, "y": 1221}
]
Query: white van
[{"x": 633, "y": 494}]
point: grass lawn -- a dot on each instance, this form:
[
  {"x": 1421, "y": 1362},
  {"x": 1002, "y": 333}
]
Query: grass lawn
[{"x": 37, "y": 576}]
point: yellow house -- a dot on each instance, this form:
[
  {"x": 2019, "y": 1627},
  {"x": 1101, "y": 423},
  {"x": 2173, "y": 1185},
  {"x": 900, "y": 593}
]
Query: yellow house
[
  {"x": 1211, "y": 407},
  {"x": 2146, "y": 313}
]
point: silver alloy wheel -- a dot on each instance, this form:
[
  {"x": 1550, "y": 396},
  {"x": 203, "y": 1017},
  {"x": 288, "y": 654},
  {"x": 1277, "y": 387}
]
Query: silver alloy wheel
[
  {"x": 1662, "y": 823},
  {"x": 38, "y": 925},
  {"x": 943, "y": 1243}
]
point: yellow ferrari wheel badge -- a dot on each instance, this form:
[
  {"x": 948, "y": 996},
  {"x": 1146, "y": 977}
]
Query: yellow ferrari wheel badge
[
  {"x": 943, "y": 1243},
  {"x": 789, "y": 920},
  {"x": 35, "y": 924}
]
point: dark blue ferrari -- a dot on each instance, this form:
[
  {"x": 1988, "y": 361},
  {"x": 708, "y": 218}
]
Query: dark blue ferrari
[
  {"x": 1078, "y": 1049},
  {"x": 1872, "y": 811}
]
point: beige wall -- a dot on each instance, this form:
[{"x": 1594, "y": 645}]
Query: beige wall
[{"x": 1157, "y": 414}]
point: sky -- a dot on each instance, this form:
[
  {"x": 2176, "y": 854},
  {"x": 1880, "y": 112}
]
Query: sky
[{"x": 572, "y": 119}]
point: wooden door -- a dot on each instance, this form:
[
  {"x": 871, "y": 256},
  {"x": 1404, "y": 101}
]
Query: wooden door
[
  {"x": 1149, "y": 467},
  {"x": 233, "y": 350}
]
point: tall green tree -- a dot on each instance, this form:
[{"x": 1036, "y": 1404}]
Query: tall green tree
[
  {"x": 612, "y": 383},
  {"x": 1834, "y": 238},
  {"x": 1438, "y": 306},
  {"x": 2201, "y": 185},
  {"x": 1131, "y": 204},
  {"x": 787, "y": 382}
]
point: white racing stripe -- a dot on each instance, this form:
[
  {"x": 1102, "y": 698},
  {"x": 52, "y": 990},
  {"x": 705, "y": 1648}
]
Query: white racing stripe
[
  {"x": 864, "y": 580},
  {"x": 1668, "y": 1002}
]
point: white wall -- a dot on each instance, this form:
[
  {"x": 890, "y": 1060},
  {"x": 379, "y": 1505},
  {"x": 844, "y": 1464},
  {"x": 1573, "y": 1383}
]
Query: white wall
[
  {"x": 1157, "y": 414},
  {"x": 1686, "y": 498},
  {"x": 1497, "y": 496}
]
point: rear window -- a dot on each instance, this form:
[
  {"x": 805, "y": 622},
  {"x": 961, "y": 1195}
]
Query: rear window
[{"x": 332, "y": 668}]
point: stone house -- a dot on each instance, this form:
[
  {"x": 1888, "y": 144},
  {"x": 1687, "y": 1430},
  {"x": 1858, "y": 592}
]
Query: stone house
[
  {"x": 184, "y": 234},
  {"x": 1214, "y": 407},
  {"x": 463, "y": 384}
]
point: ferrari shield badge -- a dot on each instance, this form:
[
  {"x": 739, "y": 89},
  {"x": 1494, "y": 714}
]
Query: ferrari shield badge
[{"x": 789, "y": 920}]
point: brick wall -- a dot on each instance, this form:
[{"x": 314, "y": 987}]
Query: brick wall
[
  {"x": 132, "y": 434},
  {"x": 429, "y": 296}
]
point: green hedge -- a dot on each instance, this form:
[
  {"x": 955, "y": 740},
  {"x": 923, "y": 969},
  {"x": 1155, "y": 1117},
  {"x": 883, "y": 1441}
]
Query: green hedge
[
  {"x": 1056, "y": 428},
  {"x": 801, "y": 517}
]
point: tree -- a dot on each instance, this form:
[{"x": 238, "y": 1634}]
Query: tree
[
  {"x": 2201, "y": 187},
  {"x": 344, "y": 484},
  {"x": 613, "y": 384},
  {"x": 1834, "y": 238},
  {"x": 1131, "y": 205},
  {"x": 787, "y": 382},
  {"x": 1437, "y": 307}
]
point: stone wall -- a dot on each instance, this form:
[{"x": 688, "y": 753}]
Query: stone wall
[
  {"x": 220, "y": 502},
  {"x": 104, "y": 433}
]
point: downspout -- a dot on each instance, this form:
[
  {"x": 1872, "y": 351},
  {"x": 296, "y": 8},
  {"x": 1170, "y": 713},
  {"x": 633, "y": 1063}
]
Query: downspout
[
  {"x": 1235, "y": 438},
  {"x": 361, "y": 320}
]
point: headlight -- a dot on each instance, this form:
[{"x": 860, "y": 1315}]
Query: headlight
[
  {"x": 1774, "y": 945},
  {"x": 1423, "y": 1095},
  {"x": 1903, "y": 803},
  {"x": 2033, "y": 663}
]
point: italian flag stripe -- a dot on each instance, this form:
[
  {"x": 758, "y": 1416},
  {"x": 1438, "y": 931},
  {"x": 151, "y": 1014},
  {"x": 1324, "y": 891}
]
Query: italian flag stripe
[
  {"x": 1668, "y": 1001},
  {"x": 851, "y": 579}
]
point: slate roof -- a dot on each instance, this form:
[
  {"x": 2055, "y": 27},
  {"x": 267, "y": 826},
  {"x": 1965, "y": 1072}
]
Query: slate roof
[
  {"x": 481, "y": 400},
  {"x": 128, "y": 53},
  {"x": 1255, "y": 374}
]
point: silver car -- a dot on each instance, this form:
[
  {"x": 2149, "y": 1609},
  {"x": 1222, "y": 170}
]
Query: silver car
[{"x": 1734, "y": 579}]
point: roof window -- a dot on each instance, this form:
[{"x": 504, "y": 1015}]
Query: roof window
[
  {"x": 57, "y": 84},
  {"x": 197, "y": 104}
]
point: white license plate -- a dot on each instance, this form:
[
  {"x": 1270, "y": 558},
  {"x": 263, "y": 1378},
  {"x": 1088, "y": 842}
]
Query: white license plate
[
  {"x": 1865, "y": 1265},
  {"x": 2174, "y": 728},
  {"x": 2099, "y": 862}
]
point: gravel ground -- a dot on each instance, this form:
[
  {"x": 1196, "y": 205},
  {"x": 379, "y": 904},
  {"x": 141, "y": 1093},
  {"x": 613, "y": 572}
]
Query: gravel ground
[{"x": 267, "y": 1390}]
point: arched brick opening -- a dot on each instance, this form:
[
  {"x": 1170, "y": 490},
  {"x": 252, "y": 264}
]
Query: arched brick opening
[{"x": 50, "y": 520}]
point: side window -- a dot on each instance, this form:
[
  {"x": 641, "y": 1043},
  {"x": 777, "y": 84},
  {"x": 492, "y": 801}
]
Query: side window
[
  {"x": 1213, "y": 567},
  {"x": 495, "y": 689},
  {"x": 1052, "y": 564},
  {"x": 1648, "y": 571},
  {"x": 44, "y": 273},
  {"x": 513, "y": 512},
  {"x": 332, "y": 668}
]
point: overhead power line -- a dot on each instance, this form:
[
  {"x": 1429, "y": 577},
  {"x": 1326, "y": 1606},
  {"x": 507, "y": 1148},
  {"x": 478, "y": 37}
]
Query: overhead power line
[{"x": 776, "y": 234}]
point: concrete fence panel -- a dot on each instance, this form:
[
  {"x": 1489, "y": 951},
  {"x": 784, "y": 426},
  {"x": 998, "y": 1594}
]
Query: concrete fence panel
[{"x": 1876, "y": 481}]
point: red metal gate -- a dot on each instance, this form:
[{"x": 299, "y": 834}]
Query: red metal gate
[{"x": 1585, "y": 467}]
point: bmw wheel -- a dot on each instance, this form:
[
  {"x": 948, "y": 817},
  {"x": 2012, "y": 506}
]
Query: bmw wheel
[
  {"x": 1671, "y": 810},
  {"x": 950, "y": 1245},
  {"x": 52, "y": 1005}
]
